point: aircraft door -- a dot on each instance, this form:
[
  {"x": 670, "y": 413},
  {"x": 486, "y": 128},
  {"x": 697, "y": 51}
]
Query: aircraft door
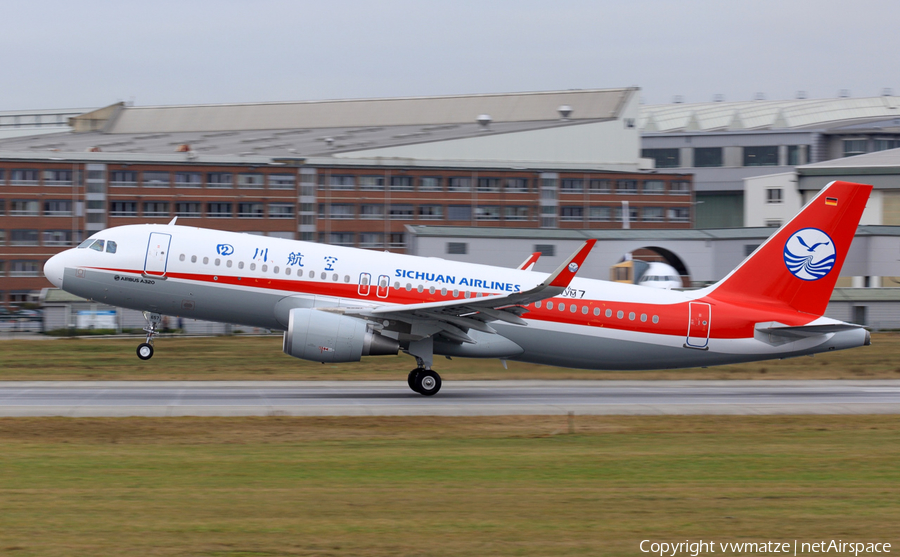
[
  {"x": 384, "y": 282},
  {"x": 364, "y": 284},
  {"x": 157, "y": 258},
  {"x": 698, "y": 325}
]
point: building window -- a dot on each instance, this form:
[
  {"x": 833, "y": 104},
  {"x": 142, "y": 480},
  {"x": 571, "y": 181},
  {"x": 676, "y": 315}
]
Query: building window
[
  {"x": 371, "y": 240},
  {"x": 282, "y": 181},
  {"x": 773, "y": 223},
  {"x": 515, "y": 213},
  {"x": 654, "y": 187},
  {"x": 219, "y": 180},
  {"x": 653, "y": 214},
  {"x": 632, "y": 214},
  {"x": 153, "y": 179},
  {"x": 663, "y": 158},
  {"x": 679, "y": 214},
  {"x": 489, "y": 184},
  {"x": 457, "y": 248},
  {"x": 123, "y": 178},
  {"x": 23, "y": 238},
  {"x": 626, "y": 187},
  {"x": 187, "y": 209},
  {"x": 24, "y": 177},
  {"x": 793, "y": 155},
  {"x": 459, "y": 212},
  {"x": 680, "y": 187},
  {"x": 397, "y": 240},
  {"x": 487, "y": 212},
  {"x": 431, "y": 212},
  {"x": 215, "y": 210},
  {"x": 371, "y": 183},
  {"x": 749, "y": 248},
  {"x": 774, "y": 195},
  {"x": 341, "y": 182},
  {"x": 371, "y": 212},
  {"x": 24, "y": 269},
  {"x": 878, "y": 144},
  {"x": 459, "y": 183},
  {"x": 599, "y": 186},
  {"x": 341, "y": 239},
  {"x": 57, "y": 237},
  {"x": 251, "y": 210},
  {"x": 854, "y": 147},
  {"x": 123, "y": 208},
  {"x": 281, "y": 210},
  {"x": 342, "y": 211},
  {"x": 401, "y": 212},
  {"x": 430, "y": 183},
  {"x": 548, "y": 250},
  {"x": 761, "y": 156},
  {"x": 156, "y": 208},
  {"x": 570, "y": 213},
  {"x": 2, "y": 207},
  {"x": 599, "y": 214},
  {"x": 24, "y": 208},
  {"x": 707, "y": 157},
  {"x": 401, "y": 183},
  {"x": 254, "y": 181},
  {"x": 516, "y": 185},
  {"x": 571, "y": 185},
  {"x": 56, "y": 177},
  {"x": 188, "y": 180}
]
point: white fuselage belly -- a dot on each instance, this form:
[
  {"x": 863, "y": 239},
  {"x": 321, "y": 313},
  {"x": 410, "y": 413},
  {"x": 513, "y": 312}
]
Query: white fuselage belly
[{"x": 603, "y": 325}]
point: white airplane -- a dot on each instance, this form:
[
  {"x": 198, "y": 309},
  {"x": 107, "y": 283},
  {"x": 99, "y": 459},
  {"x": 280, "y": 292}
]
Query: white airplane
[
  {"x": 337, "y": 304},
  {"x": 660, "y": 275}
]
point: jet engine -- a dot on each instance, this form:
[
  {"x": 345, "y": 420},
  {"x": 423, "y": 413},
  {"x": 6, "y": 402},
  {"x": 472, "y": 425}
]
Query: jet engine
[{"x": 322, "y": 336}]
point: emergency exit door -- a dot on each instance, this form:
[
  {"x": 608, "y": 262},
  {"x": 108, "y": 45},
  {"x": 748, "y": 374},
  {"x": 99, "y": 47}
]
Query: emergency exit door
[
  {"x": 157, "y": 257},
  {"x": 698, "y": 325}
]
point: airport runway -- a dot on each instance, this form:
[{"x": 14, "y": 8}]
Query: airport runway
[{"x": 457, "y": 398}]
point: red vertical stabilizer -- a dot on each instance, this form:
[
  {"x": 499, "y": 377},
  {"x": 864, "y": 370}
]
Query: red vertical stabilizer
[{"x": 799, "y": 265}]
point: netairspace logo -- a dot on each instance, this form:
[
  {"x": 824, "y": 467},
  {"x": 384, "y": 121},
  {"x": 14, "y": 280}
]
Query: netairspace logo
[
  {"x": 694, "y": 549},
  {"x": 809, "y": 254}
]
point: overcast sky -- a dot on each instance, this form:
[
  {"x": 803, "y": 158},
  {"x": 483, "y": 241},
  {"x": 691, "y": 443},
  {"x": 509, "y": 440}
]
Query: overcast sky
[{"x": 65, "y": 54}]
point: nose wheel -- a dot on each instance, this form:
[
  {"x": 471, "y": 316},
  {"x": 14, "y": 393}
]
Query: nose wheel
[
  {"x": 145, "y": 349},
  {"x": 424, "y": 381}
]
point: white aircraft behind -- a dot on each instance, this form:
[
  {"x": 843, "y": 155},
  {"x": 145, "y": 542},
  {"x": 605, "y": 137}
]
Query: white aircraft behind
[
  {"x": 660, "y": 275},
  {"x": 337, "y": 304}
]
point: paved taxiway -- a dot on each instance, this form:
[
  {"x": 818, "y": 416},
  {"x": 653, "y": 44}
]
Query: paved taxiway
[{"x": 457, "y": 398}]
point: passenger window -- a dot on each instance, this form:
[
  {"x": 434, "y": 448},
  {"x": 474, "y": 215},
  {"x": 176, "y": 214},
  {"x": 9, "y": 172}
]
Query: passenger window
[
  {"x": 97, "y": 245},
  {"x": 110, "y": 247}
]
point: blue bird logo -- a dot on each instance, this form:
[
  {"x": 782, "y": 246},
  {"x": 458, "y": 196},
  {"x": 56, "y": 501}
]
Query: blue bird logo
[
  {"x": 814, "y": 246},
  {"x": 811, "y": 258}
]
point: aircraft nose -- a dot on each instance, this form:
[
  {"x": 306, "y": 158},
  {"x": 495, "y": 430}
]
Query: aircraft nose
[{"x": 54, "y": 269}]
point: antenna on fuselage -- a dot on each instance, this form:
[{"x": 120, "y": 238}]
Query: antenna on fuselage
[{"x": 172, "y": 222}]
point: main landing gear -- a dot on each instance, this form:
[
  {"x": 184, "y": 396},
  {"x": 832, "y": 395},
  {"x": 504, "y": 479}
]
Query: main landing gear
[
  {"x": 424, "y": 381},
  {"x": 145, "y": 349}
]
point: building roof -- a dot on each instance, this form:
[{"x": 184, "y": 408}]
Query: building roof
[
  {"x": 748, "y": 233},
  {"x": 879, "y": 162},
  {"x": 589, "y": 104},
  {"x": 320, "y": 128},
  {"x": 798, "y": 114}
]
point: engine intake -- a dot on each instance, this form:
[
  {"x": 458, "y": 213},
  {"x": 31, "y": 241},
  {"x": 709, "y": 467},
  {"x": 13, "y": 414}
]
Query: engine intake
[{"x": 321, "y": 336}]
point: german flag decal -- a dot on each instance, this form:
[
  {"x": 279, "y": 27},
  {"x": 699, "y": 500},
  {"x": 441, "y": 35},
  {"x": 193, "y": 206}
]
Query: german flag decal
[{"x": 831, "y": 201}]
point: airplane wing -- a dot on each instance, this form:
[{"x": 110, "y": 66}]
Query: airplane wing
[
  {"x": 528, "y": 264},
  {"x": 453, "y": 318}
]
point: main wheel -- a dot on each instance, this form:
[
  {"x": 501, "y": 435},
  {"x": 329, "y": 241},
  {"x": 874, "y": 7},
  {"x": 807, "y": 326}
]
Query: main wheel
[
  {"x": 144, "y": 351},
  {"x": 428, "y": 382},
  {"x": 411, "y": 379}
]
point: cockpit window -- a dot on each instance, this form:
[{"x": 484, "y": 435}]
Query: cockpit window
[
  {"x": 97, "y": 245},
  {"x": 85, "y": 243},
  {"x": 110, "y": 247}
]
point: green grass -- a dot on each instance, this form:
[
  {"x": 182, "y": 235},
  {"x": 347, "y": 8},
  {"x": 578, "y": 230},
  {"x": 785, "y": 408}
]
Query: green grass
[
  {"x": 440, "y": 486},
  {"x": 238, "y": 357}
]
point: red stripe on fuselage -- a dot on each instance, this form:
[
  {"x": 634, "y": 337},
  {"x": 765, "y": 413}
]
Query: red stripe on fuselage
[{"x": 728, "y": 320}]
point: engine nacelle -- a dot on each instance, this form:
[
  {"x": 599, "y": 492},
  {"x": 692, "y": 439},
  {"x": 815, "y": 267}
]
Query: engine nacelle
[{"x": 322, "y": 336}]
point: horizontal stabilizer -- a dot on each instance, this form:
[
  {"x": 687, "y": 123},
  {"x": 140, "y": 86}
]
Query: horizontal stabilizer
[{"x": 805, "y": 331}]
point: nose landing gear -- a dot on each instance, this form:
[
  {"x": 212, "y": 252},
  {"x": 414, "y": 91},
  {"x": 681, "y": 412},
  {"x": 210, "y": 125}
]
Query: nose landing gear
[{"x": 145, "y": 349}]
